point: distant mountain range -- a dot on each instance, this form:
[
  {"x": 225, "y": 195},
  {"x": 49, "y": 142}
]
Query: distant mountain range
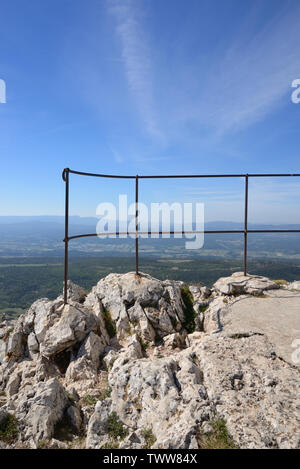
[
  {"x": 43, "y": 235},
  {"x": 75, "y": 219},
  {"x": 55, "y": 221}
]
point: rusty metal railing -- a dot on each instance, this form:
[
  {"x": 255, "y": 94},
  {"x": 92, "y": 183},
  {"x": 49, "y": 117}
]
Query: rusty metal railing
[{"x": 66, "y": 177}]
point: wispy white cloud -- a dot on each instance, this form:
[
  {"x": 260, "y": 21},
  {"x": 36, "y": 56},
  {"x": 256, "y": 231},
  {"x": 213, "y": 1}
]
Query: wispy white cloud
[
  {"x": 253, "y": 76},
  {"x": 136, "y": 56},
  {"x": 117, "y": 156}
]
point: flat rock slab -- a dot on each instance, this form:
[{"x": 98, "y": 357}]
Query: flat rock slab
[
  {"x": 239, "y": 284},
  {"x": 277, "y": 316}
]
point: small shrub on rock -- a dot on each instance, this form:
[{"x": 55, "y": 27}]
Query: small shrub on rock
[
  {"x": 105, "y": 393},
  {"x": 149, "y": 438},
  {"x": 218, "y": 438},
  {"x": 115, "y": 428},
  {"x": 9, "y": 429},
  {"x": 111, "y": 445},
  {"x": 88, "y": 400}
]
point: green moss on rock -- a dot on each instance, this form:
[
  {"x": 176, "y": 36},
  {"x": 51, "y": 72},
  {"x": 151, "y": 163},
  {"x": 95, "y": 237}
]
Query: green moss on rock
[
  {"x": 189, "y": 312},
  {"x": 109, "y": 324}
]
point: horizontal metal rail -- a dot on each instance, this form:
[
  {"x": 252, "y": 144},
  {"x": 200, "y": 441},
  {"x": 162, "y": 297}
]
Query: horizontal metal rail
[
  {"x": 170, "y": 176},
  {"x": 149, "y": 233},
  {"x": 136, "y": 234}
]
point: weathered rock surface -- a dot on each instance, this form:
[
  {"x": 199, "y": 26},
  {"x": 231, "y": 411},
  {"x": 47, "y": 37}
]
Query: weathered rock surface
[
  {"x": 214, "y": 315},
  {"x": 165, "y": 395},
  {"x": 140, "y": 304},
  {"x": 84, "y": 365},
  {"x": 123, "y": 366},
  {"x": 72, "y": 327},
  {"x": 200, "y": 293},
  {"x": 238, "y": 379},
  {"x": 75, "y": 292},
  {"x": 38, "y": 408},
  {"x": 293, "y": 286},
  {"x": 239, "y": 284},
  {"x": 6, "y": 327},
  {"x": 276, "y": 315},
  {"x": 252, "y": 389}
]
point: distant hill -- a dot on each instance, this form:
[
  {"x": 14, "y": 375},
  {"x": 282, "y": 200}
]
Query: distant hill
[
  {"x": 43, "y": 235},
  {"x": 5, "y": 220}
]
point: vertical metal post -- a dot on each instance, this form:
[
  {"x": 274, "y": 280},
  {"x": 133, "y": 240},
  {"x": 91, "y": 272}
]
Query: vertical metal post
[
  {"x": 246, "y": 224},
  {"x": 66, "y": 240},
  {"x": 136, "y": 225}
]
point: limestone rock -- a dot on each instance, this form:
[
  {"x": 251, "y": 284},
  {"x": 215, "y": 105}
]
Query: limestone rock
[
  {"x": 85, "y": 365},
  {"x": 56, "y": 444},
  {"x": 75, "y": 292},
  {"x": 235, "y": 379},
  {"x": 136, "y": 440},
  {"x": 97, "y": 436},
  {"x": 163, "y": 382},
  {"x": 293, "y": 286},
  {"x": 38, "y": 408},
  {"x": 30, "y": 328},
  {"x": 200, "y": 293},
  {"x": 252, "y": 389},
  {"x": 72, "y": 327},
  {"x": 165, "y": 395},
  {"x": 141, "y": 304},
  {"x": 109, "y": 358},
  {"x": 33, "y": 345},
  {"x": 238, "y": 284},
  {"x": 41, "y": 316},
  {"x": 17, "y": 340},
  {"x": 26, "y": 373},
  {"x": 213, "y": 317},
  {"x": 6, "y": 328},
  {"x": 175, "y": 340},
  {"x": 72, "y": 393},
  {"x": 132, "y": 351},
  {"x": 3, "y": 350},
  {"x": 218, "y": 377},
  {"x": 14, "y": 382},
  {"x": 45, "y": 369},
  {"x": 94, "y": 304},
  {"x": 74, "y": 416}
]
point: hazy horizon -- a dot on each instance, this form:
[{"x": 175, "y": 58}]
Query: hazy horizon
[{"x": 8, "y": 219}]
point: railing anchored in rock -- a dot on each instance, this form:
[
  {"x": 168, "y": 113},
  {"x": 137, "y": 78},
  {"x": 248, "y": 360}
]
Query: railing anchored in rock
[{"x": 66, "y": 177}]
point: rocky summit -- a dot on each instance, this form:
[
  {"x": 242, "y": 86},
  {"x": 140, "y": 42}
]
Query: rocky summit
[{"x": 144, "y": 363}]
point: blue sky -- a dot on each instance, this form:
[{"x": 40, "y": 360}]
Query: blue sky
[{"x": 150, "y": 87}]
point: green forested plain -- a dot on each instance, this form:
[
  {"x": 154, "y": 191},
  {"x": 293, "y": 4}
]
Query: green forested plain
[{"x": 23, "y": 280}]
